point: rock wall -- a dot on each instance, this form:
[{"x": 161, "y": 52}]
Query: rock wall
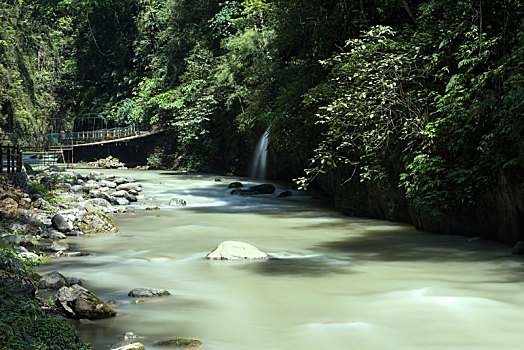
[{"x": 498, "y": 214}]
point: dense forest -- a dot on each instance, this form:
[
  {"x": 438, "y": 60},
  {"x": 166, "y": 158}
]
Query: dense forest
[{"x": 410, "y": 110}]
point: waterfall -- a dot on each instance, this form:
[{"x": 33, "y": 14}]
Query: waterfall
[{"x": 258, "y": 169}]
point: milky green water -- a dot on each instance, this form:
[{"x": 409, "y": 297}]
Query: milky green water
[{"x": 339, "y": 282}]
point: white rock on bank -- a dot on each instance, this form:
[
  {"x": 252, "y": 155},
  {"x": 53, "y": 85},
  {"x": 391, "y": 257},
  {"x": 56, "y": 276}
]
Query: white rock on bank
[{"x": 232, "y": 250}]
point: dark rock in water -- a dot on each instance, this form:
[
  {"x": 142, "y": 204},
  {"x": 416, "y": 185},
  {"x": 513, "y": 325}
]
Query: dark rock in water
[
  {"x": 264, "y": 188},
  {"x": 177, "y": 202},
  {"x": 518, "y": 249},
  {"x": 218, "y": 179},
  {"x": 52, "y": 280},
  {"x": 285, "y": 194},
  {"x": 78, "y": 302},
  {"x": 61, "y": 224},
  {"x": 235, "y": 185},
  {"x": 178, "y": 342},
  {"x": 241, "y": 192},
  {"x": 74, "y": 280},
  {"x": 148, "y": 293}
]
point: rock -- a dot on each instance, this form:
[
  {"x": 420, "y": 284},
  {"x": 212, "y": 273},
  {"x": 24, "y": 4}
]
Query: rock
[
  {"x": 219, "y": 179},
  {"x": 80, "y": 188},
  {"x": 121, "y": 201},
  {"x": 61, "y": 224},
  {"x": 264, "y": 188},
  {"x": 70, "y": 197},
  {"x": 105, "y": 183},
  {"x": 9, "y": 205},
  {"x": 235, "y": 185},
  {"x": 181, "y": 343},
  {"x": 121, "y": 180},
  {"x": 518, "y": 249},
  {"x": 129, "y": 186},
  {"x": 58, "y": 246},
  {"x": 63, "y": 186},
  {"x": 132, "y": 346},
  {"x": 78, "y": 302},
  {"x": 96, "y": 222},
  {"x": 53, "y": 169},
  {"x": 92, "y": 184},
  {"x": 96, "y": 173},
  {"x": 148, "y": 293},
  {"x": 74, "y": 233},
  {"x": 52, "y": 234},
  {"x": 28, "y": 255},
  {"x": 41, "y": 203},
  {"x": 177, "y": 202},
  {"x": 12, "y": 265},
  {"x": 52, "y": 280},
  {"x": 129, "y": 337},
  {"x": 12, "y": 239},
  {"x": 241, "y": 192},
  {"x": 120, "y": 194},
  {"x": 74, "y": 280},
  {"x": 131, "y": 197},
  {"x": 231, "y": 250},
  {"x": 14, "y": 286},
  {"x": 285, "y": 194}
]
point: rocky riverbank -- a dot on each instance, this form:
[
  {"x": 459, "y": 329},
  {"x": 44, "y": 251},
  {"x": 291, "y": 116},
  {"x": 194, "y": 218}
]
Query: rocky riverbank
[{"x": 37, "y": 212}]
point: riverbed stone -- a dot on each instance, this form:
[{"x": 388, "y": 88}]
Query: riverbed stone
[
  {"x": 105, "y": 183},
  {"x": 61, "y": 224},
  {"x": 96, "y": 222},
  {"x": 129, "y": 186},
  {"x": 263, "y": 188},
  {"x": 177, "y": 202},
  {"x": 57, "y": 246},
  {"x": 120, "y": 181},
  {"x": 232, "y": 250},
  {"x": 121, "y": 201},
  {"x": 235, "y": 184},
  {"x": 52, "y": 280},
  {"x": 148, "y": 293},
  {"x": 78, "y": 302},
  {"x": 51, "y": 233},
  {"x": 120, "y": 194},
  {"x": 180, "y": 343}
]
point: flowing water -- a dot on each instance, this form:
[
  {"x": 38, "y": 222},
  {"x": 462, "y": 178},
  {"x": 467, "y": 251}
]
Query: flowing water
[
  {"x": 258, "y": 168},
  {"x": 338, "y": 283}
]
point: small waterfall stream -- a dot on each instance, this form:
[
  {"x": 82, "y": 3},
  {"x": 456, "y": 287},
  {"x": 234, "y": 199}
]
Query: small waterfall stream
[{"x": 258, "y": 168}]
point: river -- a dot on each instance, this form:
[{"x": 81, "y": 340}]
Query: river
[{"x": 338, "y": 283}]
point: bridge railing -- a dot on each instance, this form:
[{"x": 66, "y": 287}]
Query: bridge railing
[
  {"x": 10, "y": 159},
  {"x": 68, "y": 139}
]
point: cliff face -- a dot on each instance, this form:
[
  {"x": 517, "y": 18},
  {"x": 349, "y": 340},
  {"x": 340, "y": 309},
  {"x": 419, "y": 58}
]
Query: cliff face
[{"x": 497, "y": 215}]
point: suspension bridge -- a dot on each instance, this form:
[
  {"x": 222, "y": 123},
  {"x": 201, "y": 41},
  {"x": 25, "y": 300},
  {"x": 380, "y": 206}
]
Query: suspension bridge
[{"x": 12, "y": 145}]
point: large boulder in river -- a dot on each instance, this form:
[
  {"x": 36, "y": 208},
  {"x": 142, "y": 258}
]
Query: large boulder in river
[
  {"x": 177, "y": 202},
  {"x": 96, "y": 222},
  {"x": 78, "y": 302},
  {"x": 232, "y": 250},
  {"x": 264, "y": 188},
  {"x": 52, "y": 280},
  {"x": 61, "y": 224},
  {"x": 148, "y": 293}
]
